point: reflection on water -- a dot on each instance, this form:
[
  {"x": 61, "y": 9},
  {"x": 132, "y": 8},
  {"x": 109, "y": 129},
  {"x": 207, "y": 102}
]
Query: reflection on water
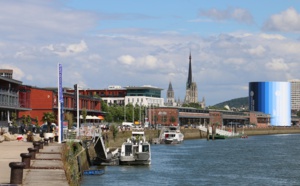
[{"x": 257, "y": 160}]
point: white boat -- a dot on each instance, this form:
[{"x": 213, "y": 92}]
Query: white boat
[
  {"x": 136, "y": 150},
  {"x": 171, "y": 135}
]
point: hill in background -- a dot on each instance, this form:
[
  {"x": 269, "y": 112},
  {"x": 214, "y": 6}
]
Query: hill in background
[{"x": 234, "y": 103}]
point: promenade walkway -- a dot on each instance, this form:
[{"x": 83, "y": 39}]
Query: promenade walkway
[{"x": 46, "y": 169}]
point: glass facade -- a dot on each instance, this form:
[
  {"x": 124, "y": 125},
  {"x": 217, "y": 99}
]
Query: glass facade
[
  {"x": 147, "y": 92},
  {"x": 272, "y": 98}
]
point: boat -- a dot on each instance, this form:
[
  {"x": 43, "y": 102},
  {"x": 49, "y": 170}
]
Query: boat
[
  {"x": 218, "y": 136},
  {"x": 136, "y": 150},
  {"x": 171, "y": 135}
]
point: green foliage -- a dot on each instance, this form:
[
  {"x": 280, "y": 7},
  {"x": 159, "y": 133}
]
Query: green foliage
[
  {"x": 172, "y": 119},
  {"x": 48, "y": 117},
  {"x": 115, "y": 131},
  {"x": 237, "y": 103},
  {"x": 69, "y": 117},
  {"x": 14, "y": 119},
  {"x": 104, "y": 106},
  {"x": 28, "y": 120},
  {"x": 69, "y": 152},
  {"x": 37, "y": 122},
  {"x": 115, "y": 113},
  {"x": 193, "y": 105},
  {"x": 84, "y": 114}
]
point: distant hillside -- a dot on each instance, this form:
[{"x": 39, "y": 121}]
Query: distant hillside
[{"x": 237, "y": 103}]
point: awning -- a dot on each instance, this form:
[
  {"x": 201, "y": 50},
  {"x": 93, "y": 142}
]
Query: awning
[
  {"x": 101, "y": 117},
  {"x": 90, "y": 117}
]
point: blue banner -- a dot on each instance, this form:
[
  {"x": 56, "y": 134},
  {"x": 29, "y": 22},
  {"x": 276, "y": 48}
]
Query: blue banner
[{"x": 61, "y": 99}]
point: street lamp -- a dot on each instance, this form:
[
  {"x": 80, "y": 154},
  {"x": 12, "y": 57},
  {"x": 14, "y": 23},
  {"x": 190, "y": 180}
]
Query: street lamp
[{"x": 77, "y": 87}]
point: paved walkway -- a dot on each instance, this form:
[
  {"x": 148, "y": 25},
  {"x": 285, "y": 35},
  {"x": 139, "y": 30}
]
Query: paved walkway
[{"x": 46, "y": 169}]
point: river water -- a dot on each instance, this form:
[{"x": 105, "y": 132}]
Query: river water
[{"x": 257, "y": 160}]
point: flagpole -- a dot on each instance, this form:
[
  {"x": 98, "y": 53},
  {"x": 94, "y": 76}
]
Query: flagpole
[{"x": 58, "y": 102}]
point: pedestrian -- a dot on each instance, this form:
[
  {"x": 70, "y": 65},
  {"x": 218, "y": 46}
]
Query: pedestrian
[{"x": 22, "y": 129}]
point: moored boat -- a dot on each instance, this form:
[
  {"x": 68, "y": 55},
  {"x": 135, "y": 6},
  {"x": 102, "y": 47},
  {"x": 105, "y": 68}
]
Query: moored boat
[
  {"x": 171, "y": 135},
  {"x": 136, "y": 150}
]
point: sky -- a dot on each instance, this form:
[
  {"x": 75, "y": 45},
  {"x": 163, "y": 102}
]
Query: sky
[{"x": 134, "y": 43}]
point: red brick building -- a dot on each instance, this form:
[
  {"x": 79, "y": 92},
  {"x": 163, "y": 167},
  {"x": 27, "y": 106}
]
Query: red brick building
[
  {"x": 43, "y": 100},
  {"x": 192, "y": 116}
]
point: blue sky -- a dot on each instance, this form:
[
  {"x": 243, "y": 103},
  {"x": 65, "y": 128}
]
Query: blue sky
[{"x": 135, "y": 43}]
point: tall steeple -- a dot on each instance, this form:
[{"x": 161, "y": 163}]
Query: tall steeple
[{"x": 189, "y": 80}]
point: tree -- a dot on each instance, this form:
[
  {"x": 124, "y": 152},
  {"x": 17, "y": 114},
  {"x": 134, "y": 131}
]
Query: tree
[
  {"x": 13, "y": 119},
  {"x": 172, "y": 119},
  {"x": 49, "y": 118},
  {"x": 84, "y": 114},
  {"x": 28, "y": 120},
  {"x": 69, "y": 117},
  {"x": 115, "y": 131}
]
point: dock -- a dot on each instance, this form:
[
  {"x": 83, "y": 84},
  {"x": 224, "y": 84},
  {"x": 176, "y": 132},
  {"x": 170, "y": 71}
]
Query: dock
[{"x": 46, "y": 169}]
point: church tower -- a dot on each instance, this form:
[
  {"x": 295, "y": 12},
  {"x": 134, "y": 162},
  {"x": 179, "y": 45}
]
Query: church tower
[
  {"x": 170, "y": 96},
  {"x": 191, "y": 95}
]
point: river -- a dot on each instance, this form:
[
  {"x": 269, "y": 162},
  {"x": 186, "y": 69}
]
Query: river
[{"x": 257, "y": 160}]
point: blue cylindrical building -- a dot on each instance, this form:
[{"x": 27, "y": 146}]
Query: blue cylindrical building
[{"x": 272, "y": 98}]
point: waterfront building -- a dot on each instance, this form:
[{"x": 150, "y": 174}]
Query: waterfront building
[
  {"x": 113, "y": 95},
  {"x": 44, "y": 100},
  {"x": 186, "y": 116},
  {"x": 145, "y": 95},
  {"x": 272, "y": 98},
  {"x": 191, "y": 95},
  {"x": 295, "y": 95},
  {"x": 8, "y": 73},
  {"x": 12, "y": 100}
]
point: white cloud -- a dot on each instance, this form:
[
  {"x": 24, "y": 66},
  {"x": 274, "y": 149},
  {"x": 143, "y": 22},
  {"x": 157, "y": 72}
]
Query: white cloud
[
  {"x": 234, "y": 61},
  {"x": 126, "y": 59},
  {"x": 17, "y": 72},
  {"x": 72, "y": 49},
  {"x": 259, "y": 50},
  {"x": 37, "y": 20},
  {"x": 150, "y": 62},
  {"x": 277, "y": 65},
  {"x": 286, "y": 21},
  {"x": 236, "y": 14},
  {"x": 271, "y": 36}
]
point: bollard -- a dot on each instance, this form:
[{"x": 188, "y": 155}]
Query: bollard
[
  {"x": 37, "y": 146},
  {"x": 51, "y": 139},
  {"x": 32, "y": 151},
  {"x": 41, "y": 145},
  {"x": 26, "y": 159},
  {"x": 46, "y": 140},
  {"x": 16, "y": 174}
]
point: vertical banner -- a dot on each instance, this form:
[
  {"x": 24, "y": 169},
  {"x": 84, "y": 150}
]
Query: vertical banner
[{"x": 60, "y": 104}]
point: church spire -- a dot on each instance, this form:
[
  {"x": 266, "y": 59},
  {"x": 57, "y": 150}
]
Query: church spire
[
  {"x": 170, "y": 87},
  {"x": 189, "y": 80}
]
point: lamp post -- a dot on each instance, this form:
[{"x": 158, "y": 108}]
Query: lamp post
[{"x": 77, "y": 87}]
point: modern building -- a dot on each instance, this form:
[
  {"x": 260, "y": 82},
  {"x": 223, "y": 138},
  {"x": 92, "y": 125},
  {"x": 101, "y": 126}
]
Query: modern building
[
  {"x": 12, "y": 100},
  {"x": 145, "y": 95},
  {"x": 8, "y": 73},
  {"x": 113, "y": 95},
  {"x": 295, "y": 95},
  {"x": 272, "y": 98}
]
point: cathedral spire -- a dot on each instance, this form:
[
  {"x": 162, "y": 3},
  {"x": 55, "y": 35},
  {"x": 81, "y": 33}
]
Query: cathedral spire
[{"x": 189, "y": 80}]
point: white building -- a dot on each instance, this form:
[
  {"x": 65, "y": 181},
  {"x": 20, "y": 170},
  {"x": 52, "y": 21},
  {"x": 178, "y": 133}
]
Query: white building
[
  {"x": 295, "y": 94},
  {"x": 145, "y": 95}
]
